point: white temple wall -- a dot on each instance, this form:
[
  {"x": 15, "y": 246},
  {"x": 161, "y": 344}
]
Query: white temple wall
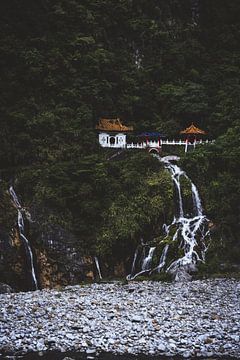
[{"x": 113, "y": 140}]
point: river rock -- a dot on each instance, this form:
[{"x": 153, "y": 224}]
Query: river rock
[
  {"x": 188, "y": 318},
  {"x": 161, "y": 347},
  {"x": 137, "y": 318},
  {"x": 4, "y": 288}
]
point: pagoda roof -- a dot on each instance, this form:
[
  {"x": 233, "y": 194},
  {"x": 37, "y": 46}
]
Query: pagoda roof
[
  {"x": 192, "y": 129},
  {"x": 112, "y": 125}
]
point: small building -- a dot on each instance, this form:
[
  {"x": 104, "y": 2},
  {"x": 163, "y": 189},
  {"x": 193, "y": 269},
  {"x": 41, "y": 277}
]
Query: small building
[
  {"x": 112, "y": 133},
  {"x": 192, "y": 135}
]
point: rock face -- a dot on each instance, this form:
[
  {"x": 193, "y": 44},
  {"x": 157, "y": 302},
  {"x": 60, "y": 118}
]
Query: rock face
[
  {"x": 199, "y": 318},
  {"x": 56, "y": 260},
  {"x": 12, "y": 261}
]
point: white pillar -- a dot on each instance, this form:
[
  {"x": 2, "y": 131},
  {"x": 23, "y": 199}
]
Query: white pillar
[{"x": 103, "y": 139}]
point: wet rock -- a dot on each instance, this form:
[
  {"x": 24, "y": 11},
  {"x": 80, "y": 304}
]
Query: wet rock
[
  {"x": 235, "y": 338},
  {"x": 181, "y": 275},
  {"x": 130, "y": 290},
  {"x": 91, "y": 351},
  {"x": 137, "y": 318},
  {"x": 161, "y": 347},
  {"x": 4, "y": 288}
]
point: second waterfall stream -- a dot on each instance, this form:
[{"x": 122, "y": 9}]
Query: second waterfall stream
[
  {"x": 21, "y": 229},
  {"x": 188, "y": 231}
]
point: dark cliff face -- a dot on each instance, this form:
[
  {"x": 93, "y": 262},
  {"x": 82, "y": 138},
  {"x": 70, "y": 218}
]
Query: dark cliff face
[
  {"x": 59, "y": 262},
  {"x": 55, "y": 259},
  {"x": 56, "y": 262},
  {"x": 12, "y": 268},
  {"x": 13, "y": 262}
]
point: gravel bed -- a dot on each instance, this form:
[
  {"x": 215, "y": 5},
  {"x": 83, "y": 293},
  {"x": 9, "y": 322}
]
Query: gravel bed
[{"x": 198, "y": 318}]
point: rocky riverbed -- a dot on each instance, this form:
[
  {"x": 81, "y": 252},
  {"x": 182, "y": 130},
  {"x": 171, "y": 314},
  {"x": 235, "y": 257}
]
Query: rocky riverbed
[{"x": 198, "y": 318}]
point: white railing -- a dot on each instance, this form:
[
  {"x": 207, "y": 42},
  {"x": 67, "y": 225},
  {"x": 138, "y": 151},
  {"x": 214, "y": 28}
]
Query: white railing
[
  {"x": 157, "y": 144},
  {"x": 136, "y": 146}
]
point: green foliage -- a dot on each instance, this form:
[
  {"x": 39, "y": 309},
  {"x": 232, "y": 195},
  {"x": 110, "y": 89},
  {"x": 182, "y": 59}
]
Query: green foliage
[
  {"x": 215, "y": 169},
  {"x": 138, "y": 208},
  {"x": 7, "y": 212},
  {"x": 66, "y": 63}
]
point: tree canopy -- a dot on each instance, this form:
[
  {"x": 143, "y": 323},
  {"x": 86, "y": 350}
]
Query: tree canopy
[{"x": 158, "y": 65}]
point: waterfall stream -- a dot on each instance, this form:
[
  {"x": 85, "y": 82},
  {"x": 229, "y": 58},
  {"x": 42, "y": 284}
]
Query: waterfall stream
[
  {"x": 162, "y": 260},
  {"x": 195, "y": 11},
  {"x": 146, "y": 265},
  {"x": 23, "y": 237},
  {"x": 188, "y": 231},
  {"x": 98, "y": 267},
  {"x": 146, "y": 261}
]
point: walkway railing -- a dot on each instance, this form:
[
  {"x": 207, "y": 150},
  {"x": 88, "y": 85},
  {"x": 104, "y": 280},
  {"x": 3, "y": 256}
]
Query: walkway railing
[{"x": 157, "y": 144}]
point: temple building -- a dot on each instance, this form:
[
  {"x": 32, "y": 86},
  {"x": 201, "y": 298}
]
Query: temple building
[
  {"x": 192, "y": 130},
  {"x": 192, "y": 135},
  {"x": 112, "y": 133}
]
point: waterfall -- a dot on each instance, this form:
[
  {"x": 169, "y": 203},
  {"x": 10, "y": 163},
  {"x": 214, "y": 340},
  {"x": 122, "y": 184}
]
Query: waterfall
[
  {"x": 134, "y": 261},
  {"x": 195, "y": 11},
  {"x": 191, "y": 231},
  {"x": 27, "y": 246},
  {"x": 98, "y": 267},
  {"x": 138, "y": 57},
  {"x": 146, "y": 265},
  {"x": 162, "y": 260},
  {"x": 196, "y": 200},
  {"x": 176, "y": 173},
  {"x": 188, "y": 231},
  {"x": 145, "y": 262}
]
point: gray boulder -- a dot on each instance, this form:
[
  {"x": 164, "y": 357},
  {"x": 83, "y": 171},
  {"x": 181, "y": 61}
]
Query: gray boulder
[{"x": 4, "y": 288}]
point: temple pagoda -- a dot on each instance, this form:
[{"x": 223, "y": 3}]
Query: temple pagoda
[
  {"x": 193, "y": 134},
  {"x": 112, "y": 133},
  {"x": 193, "y": 130}
]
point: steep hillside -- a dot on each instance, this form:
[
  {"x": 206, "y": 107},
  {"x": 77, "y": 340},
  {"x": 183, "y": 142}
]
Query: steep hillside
[{"x": 159, "y": 66}]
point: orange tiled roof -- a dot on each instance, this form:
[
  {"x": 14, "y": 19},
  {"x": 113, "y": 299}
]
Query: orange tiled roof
[
  {"x": 192, "y": 129},
  {"x": 112, "y": 125}
]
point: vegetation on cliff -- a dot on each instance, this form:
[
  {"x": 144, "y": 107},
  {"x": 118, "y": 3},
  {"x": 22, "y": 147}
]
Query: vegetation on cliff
[{"x": 159, "y": 66}]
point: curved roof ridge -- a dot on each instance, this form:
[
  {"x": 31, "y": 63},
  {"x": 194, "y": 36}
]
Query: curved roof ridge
[
  {"x": 112, "y": 125},
  {"x": 192, "y": 129}
]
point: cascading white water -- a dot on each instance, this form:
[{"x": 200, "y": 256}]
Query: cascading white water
[
  {"x": 146, "y": 262},
  {"x": 98, "y": 267},
  {"x": 176, "y": 173},
  {"x": 195, "y": 11},
  {"x": 196, "y": 200},
  {"x": 22, "y": 235},
  {"x": 162, "y": 260},
  {"x": 189, "y": 231},
  {"x": 134, "y": 262},
  {"x": 148, "y": 259}
]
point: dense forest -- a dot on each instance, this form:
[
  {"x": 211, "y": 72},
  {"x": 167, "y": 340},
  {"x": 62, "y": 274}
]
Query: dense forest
[{"x": 158, "y": 65}]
